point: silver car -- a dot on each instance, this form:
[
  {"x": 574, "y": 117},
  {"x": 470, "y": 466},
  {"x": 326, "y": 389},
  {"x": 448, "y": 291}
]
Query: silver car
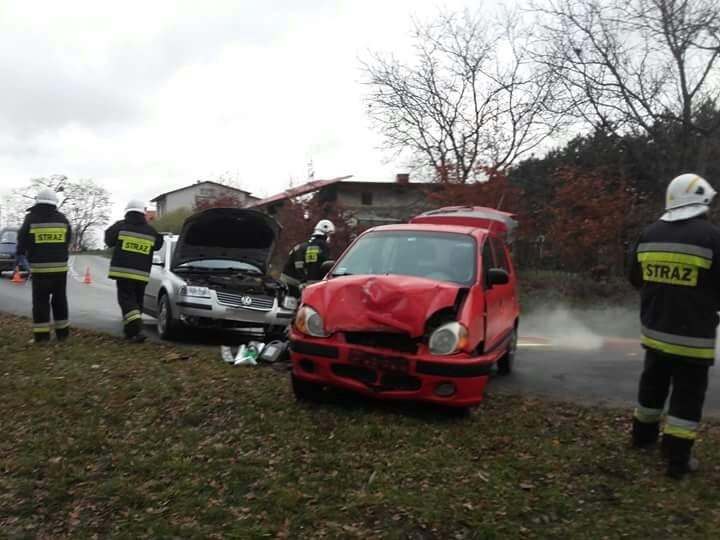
[{"x": 214, "y": 274}]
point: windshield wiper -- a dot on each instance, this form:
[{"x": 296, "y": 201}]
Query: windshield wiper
[{"x": 340, "y": 274}]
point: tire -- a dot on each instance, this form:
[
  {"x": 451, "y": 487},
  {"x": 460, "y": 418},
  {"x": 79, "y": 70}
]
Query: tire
[
  {"x": 168, "y": 327},
  {"x": 507, "y": 362},
  {"x": 307, "y": 391}
]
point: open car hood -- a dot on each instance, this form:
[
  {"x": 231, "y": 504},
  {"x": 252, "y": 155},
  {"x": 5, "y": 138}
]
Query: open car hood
[
  {"x": 234, "y": 234},
  {"x": 387, "y": 303}
]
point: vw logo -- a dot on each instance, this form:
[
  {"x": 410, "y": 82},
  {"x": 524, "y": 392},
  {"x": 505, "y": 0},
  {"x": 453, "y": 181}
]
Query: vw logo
[{"x": 246, "y": 300}]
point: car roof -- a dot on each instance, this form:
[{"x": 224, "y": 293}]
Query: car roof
[{"x": 426, "y": 227}]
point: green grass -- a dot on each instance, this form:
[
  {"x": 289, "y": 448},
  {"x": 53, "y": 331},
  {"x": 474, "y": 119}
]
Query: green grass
[{"x": 100, "y": 439}]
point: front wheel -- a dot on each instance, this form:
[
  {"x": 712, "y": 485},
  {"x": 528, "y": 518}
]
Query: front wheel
[
  {"x": 306, "y": 391},
  {"x": 167, "y": 326},
  {"x": 507, "y": 362}
]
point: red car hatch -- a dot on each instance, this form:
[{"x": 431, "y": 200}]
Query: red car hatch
[{"x": 470, "y": 216}]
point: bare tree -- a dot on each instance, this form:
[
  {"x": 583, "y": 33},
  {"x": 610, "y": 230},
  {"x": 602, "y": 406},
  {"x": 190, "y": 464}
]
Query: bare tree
[
  {"x": 85, "y": 203},
  {"x": 470, "y": 99},
  {"x": 634, "y": 65}
]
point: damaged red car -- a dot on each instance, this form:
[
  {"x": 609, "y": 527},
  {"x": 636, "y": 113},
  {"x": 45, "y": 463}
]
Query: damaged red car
[{"x": 418, "y": 311}]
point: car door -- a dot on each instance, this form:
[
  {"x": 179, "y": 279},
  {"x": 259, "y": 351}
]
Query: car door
[
  {"x": 494, "y": 324},
  {"x": 507, "y": 292},
  {"x": 161, "y": 260}
]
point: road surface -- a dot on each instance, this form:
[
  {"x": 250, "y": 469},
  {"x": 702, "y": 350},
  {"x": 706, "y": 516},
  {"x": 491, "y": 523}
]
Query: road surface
[{"x": 563, "y": 359}]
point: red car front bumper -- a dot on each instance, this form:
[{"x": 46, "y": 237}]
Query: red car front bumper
[{"x": 457, "y": 380}]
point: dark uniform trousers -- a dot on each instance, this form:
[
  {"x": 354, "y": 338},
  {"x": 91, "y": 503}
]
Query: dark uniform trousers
[
  {"x": 689, "y": 382},
  {"x": 50, "y": 290},
  {"x": 130, "y": 294}
]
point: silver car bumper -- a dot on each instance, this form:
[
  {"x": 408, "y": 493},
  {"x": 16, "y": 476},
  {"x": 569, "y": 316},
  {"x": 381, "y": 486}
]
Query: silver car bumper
[{"x": 248, "y": 309}]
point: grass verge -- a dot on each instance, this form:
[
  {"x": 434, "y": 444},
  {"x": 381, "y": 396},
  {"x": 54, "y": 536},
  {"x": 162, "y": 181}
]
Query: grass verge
[{"x": 100, "y": 439}]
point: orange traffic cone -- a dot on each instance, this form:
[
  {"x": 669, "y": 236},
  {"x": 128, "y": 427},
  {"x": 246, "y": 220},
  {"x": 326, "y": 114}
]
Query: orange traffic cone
[
  {"x": 17, "y": 278},
  {"x": 87, "y": 280}
]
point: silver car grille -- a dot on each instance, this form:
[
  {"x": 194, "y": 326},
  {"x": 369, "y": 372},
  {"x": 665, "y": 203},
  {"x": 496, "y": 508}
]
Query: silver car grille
[{"x": 246, "y": 301}]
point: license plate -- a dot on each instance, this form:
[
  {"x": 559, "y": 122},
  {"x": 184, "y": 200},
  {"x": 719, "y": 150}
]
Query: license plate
[{"x": 390, "y": 363}]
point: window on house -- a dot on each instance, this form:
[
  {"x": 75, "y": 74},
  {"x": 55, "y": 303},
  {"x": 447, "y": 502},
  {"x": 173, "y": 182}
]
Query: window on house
[{"x": 367, "y": 198}]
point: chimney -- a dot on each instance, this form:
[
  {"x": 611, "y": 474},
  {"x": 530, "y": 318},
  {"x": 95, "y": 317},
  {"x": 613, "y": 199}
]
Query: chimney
[{"x": 402, "y": 178}]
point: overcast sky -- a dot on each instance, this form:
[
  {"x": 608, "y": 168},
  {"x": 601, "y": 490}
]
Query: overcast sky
[{"x": 148, "y": 96}]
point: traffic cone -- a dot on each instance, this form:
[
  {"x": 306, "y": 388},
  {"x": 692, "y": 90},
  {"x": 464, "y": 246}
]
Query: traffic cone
[
  {"x": 17, "y": 278},
  {"x": 87, "y": 280}
]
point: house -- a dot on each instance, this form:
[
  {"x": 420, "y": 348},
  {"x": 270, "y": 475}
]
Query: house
[
  {"x": 190, "y": 196},
  {"x": 369, "y": 203}
]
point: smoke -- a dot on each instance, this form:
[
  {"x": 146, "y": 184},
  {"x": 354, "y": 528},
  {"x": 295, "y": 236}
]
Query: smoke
[{"x": 579, "y": 328}]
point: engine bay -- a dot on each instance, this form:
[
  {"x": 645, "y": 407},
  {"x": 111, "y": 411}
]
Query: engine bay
[{"x": 237, "y": 282}]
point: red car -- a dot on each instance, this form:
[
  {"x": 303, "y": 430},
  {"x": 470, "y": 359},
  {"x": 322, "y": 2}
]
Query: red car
[{"x": 418, "y": 311}]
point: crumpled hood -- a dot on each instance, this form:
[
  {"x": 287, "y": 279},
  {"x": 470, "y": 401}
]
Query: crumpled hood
[
  {"x": 236, "y": 234},
  {"x": 379, "y": 303}
]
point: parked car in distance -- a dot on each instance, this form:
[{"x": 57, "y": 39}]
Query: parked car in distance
[
  {"x": 417, "y": 311},
  {"x": 8, "y": 250},
  {"x": 215, "y": 274}
]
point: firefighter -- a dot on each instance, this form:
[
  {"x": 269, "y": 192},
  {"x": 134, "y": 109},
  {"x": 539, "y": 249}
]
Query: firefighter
[
  {"x": 675, "y": 264},
  {"x": 304, "y": 264},
  {"x": 43, "y": 241},
  {"x": 133, "y": 241}
]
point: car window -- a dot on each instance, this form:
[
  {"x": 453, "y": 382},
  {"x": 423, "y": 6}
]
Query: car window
[
  {"x": 500, "y": 255},
  {"x": 441, "y": 256},
  {"x": 9, "y": 237},
  {"x": 487, "y": 258}
]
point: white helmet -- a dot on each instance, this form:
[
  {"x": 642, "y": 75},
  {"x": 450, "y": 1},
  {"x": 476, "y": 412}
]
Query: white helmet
[
  {"x": 324, "y": 227},
  {"x": 688, "y": 196},
  {"x": 46, "y": 196},
  {"x": 135, "y": 205}
]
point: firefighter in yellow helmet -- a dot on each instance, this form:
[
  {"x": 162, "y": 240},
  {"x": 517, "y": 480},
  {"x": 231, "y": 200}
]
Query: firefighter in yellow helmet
[
  {"x": 43, "y": 239},
  {"x": 675, "y": 264}
]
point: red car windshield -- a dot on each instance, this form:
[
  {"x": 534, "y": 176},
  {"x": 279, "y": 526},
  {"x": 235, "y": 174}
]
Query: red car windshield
[{"x": 433, "y": 255}]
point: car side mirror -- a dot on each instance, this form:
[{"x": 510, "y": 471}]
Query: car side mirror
[
  {"x": 326, "y": 266},
  {"x": 497, "y": 276}
]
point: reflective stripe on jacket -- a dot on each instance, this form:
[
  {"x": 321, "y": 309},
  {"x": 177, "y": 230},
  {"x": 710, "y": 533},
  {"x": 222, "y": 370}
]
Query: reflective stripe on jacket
[
  {"x": 133, "y": 241},
  {"x": 676, "y": 267},
  {"x": 43, "y": 239}
]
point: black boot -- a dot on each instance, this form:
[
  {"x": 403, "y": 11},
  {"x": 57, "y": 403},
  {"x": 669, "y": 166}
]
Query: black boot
[
  {"x": 678, "y": 453},
  {"x": 644, "y": 434}
]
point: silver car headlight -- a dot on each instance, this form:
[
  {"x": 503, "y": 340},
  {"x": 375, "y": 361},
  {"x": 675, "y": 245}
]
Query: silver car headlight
[
  {"x": 448, "y": 339},
  {"x": 195, "y": 292},
  {"x": 309, "y": 322},
  {"x": 289, "y": 303}
]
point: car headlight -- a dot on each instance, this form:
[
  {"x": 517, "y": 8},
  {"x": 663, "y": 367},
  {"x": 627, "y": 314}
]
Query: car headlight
[
  {"x": 448, "y": 339},
  {"x": 290, "y": 303},
  {"x": 309, "y": 322},
  {"x": 196, "y": 292}
]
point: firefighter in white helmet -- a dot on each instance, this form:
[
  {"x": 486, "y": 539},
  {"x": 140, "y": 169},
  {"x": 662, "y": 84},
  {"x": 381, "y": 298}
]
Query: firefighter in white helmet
[
  {"x": 43, "y": 239},
  {"x": 304, "y": 264},
  {"x": 675, "y": 264},
  {"x": 133, "y": 241}
]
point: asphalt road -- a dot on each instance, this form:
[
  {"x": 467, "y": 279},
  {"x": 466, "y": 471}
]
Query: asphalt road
[{"x": 559, "y": 356}]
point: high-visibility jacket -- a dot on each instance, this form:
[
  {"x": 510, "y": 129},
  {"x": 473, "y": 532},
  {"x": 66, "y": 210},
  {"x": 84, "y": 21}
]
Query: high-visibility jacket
[
  {"x": 133, "y": 241},
  {"x": 43, "y": 239},
  {"x": 676, "y": 267},
  {"x": 305, "y": 261}
]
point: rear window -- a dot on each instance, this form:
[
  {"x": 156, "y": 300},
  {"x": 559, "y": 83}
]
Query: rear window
[
  {"x": 441, "y": 256},
  {"x": 9, "y": 237}
]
